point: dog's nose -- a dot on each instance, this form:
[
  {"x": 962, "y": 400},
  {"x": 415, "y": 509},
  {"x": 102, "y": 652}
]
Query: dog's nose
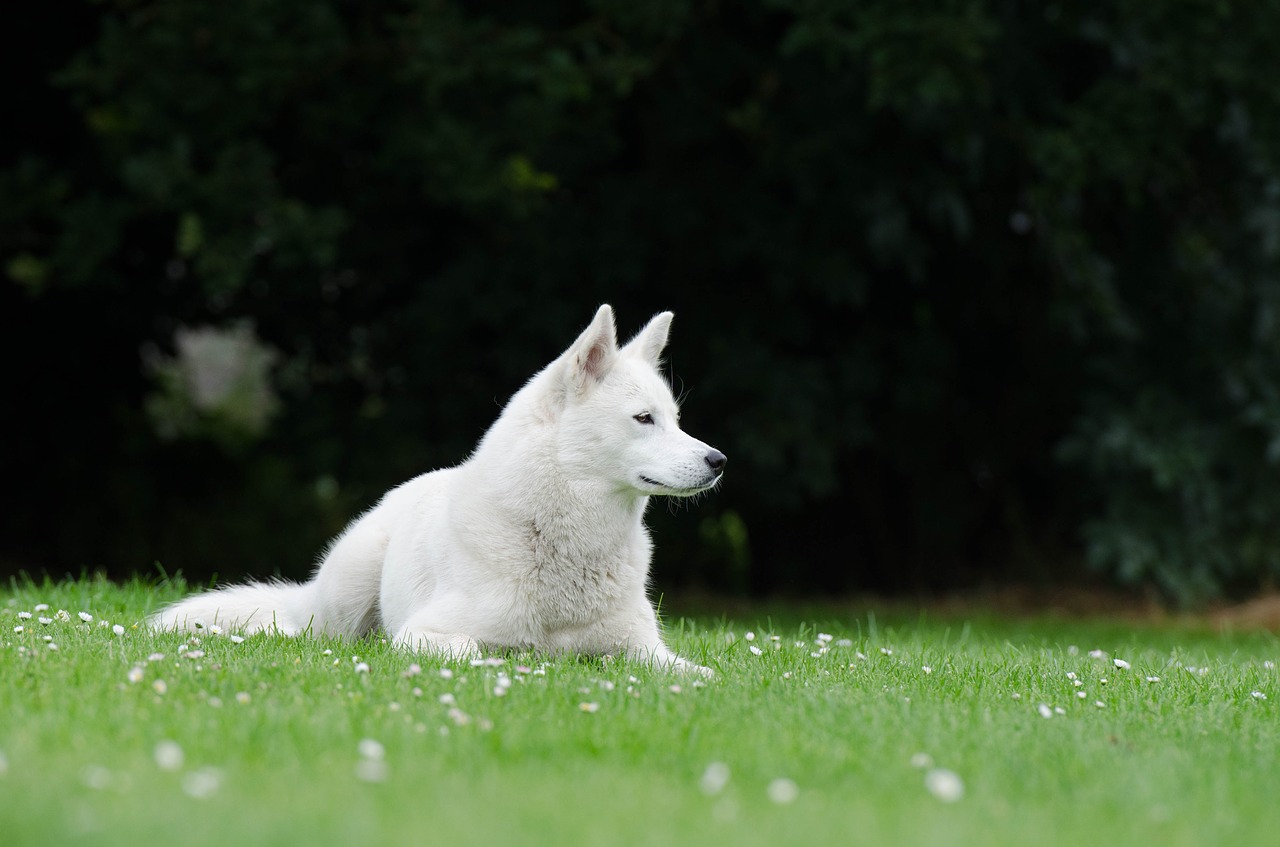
[{"x": 716, "y": 460}]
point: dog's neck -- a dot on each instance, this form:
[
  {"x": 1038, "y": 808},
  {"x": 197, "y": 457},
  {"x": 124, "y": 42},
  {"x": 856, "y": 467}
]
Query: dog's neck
[{"x": 539, "y": 496}]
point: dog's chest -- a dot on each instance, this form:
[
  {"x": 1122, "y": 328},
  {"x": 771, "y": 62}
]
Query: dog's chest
[{"x": 570, "y": 582}]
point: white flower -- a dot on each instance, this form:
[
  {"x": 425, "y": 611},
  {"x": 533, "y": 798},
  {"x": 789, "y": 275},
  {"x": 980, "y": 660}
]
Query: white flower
[
  {"x": 675, "y": 689},
  {"x": 783, "y": 791},
  {"x": 927, "y": 669},
  {"x": 445, "y": 673},
  {"x": 1153, "y": 679},
  {"x": 1257, "y": 695},
  {"x": 135, "y": 674},
  {"x": 1268, "y": 664},
  {"x": 24, "y": 616},
  {"x": 750, "y": 636},
  {"x": 922, "y": 760},
  {"x": 96, "y": 777},
  {"x": 63, "y": 615},
  {"x": 1097, "y": 654},
  {"x": 362, "y": 667},
  {"x": 824, "y": 638},
  {"x": 944, "y": 784},
  {"x": 52, "y": 646},
  {"x": 448, "y": 699},
  {"x": 714, "y": 778},
  {"x": 1082, "y": 695},
  {"x": 589, "y": 707},
  {"x": 1099, "y": 704},
  {"x": 1121, "y": 664},
  {"x": 242, "y": 697},
  {"x": 215, "y": 629},
  {"x": 371, "y": 749},
  {"x": 372, "y": 770},
  {"x": 1044, "y": 710},
  {"x": 237, "y": 639},
  {"x": 159, "y": 686},
  {"x": 202, "y": 783},
  {"x": 156, "y": 657},
  {"x": 169, "y": 756},
  {"x": 118, "y": 629},
  {"x": 86, "y": 617},
  {"x": 42, "y": 607},
  {"x": 1071, "y": 674},
  {"x": 412, "y": 671},
  {"x": 45, "y": 621},
  {"x": 19, "y": 628},
  {"x": 755, "y": 651},
  {"x": 886, "y": 651},
  {"x": 1058, "y": 710},
  {"x": 844, "y": 642}
]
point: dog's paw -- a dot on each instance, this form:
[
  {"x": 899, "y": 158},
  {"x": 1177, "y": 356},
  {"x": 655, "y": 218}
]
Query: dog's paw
[
  {"x": 442, "y": 645},
  {"x": 687, "y": 667}
]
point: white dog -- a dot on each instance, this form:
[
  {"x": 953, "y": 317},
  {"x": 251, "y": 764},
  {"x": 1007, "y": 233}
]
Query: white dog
[{"x": 536, "y": 541}]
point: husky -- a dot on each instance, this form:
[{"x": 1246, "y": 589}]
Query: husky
[{"x": 537, "y": 541}]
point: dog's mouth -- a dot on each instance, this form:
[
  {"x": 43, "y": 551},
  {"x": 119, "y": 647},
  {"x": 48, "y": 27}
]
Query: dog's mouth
[{"x": 678, "y": 490}]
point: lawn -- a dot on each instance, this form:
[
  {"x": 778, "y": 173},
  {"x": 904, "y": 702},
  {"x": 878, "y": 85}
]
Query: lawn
[{"x": 837, "y": 727}]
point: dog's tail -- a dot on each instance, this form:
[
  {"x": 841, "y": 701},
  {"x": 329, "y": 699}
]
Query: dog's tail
[{"x": 245, "y": 609}]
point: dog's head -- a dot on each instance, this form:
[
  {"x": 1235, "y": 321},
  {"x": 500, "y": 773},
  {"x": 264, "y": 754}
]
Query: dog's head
[{"x": 617, "y": 415}]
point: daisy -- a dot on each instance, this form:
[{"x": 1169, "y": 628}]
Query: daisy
[
  {"x": 714, "y": 778},
  {"x": 783, "y": 791},
  {"x": 944, "y": 784}
]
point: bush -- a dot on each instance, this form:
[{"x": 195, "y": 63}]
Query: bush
[{"x": 964, "y": 289}]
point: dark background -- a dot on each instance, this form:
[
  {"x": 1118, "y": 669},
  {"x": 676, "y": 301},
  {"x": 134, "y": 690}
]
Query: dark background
[{"x": 969, "y": 292}]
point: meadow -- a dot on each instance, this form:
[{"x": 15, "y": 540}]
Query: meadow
[{"x": 835, "y": 726}]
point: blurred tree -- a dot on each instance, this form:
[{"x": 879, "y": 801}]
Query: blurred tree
[{"x": 954, "y": 280}]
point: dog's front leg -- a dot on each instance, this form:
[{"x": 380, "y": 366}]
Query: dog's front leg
[
  {"x": 646, "y": 645},
  {"x": 443, "y": 644}
]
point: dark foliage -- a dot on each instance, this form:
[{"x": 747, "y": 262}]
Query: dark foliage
[{"x": 966, "y": 290}]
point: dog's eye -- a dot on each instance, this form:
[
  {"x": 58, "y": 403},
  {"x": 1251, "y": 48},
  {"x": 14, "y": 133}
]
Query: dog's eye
[{"x": 643, "y": 417}]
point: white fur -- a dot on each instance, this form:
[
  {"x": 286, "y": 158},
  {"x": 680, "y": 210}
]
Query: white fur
[{"x": 536, "y": 541}]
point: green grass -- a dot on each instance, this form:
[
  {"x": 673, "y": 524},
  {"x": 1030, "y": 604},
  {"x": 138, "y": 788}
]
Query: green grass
[{"x": 270, "y": 736}]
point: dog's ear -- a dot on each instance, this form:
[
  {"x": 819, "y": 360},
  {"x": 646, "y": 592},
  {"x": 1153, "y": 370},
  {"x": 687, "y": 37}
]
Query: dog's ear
[
  {"x": 652, "y": 340},
  {"x": 593, "y": 354}
]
